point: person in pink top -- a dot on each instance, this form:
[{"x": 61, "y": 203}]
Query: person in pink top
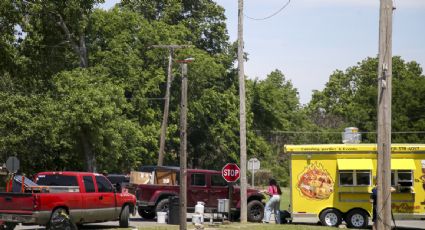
[{"x": 274, "y": 202}]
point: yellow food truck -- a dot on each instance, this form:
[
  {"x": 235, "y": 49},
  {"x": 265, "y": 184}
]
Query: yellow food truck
[{"x": 333, "y": 182}]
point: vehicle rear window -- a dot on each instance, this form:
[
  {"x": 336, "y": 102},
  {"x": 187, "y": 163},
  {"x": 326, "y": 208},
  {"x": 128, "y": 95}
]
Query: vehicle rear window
[
  {"x": 198, "y": 179},
  {"x": 88, "y": 183},
  {"x": 57, "y": 180},
  {"x": 218, "y": 180},
  {"x": 103, "y": 185}
]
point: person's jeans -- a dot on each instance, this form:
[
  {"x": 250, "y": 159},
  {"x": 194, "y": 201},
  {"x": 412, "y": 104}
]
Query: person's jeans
[{"x": 272, "y": 205}]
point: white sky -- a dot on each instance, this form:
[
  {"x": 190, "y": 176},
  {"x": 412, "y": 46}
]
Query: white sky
[{"x": 310, "y": 39}]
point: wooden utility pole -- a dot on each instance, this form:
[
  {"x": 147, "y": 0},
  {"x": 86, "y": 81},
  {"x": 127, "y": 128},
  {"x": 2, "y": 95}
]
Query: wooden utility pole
[
  {"x": 164, "y": 124},
  {"x": 242, "y": 114},
  {"x": 183, "y": 146},
  {"x": 384, "y": 116}
]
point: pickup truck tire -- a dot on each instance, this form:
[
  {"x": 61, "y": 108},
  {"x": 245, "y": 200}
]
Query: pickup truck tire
[
  {"x": 124, "y": 217},
  {"x": 8, "y": 226},
  {"x": 146, "y": 214},
  {"x": 59, "y": 220},
  {"x": 255, "y": 211},
  {"x": 162, "y": 205}
]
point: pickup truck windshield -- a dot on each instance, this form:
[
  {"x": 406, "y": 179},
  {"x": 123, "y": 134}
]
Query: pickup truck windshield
[{"x": 57, "y": 180}]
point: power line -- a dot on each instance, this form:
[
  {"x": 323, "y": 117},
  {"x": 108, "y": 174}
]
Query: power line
[
  {"x": 317, "y": 132},
  {"x": 270, "y": 16}
]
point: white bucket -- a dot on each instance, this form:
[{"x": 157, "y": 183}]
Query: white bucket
[
  {"x": 160, "y": 217},
  {"x": 197, "y": 219},
  {"x": 199, "y": 207}
]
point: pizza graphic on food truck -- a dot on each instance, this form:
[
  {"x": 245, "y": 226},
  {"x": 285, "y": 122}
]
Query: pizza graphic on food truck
[{"x": 315, "y": 182}]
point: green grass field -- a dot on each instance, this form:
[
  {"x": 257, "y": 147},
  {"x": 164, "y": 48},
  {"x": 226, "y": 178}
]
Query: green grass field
[
  {"x": 284, "y": 199},
  {"x": 250, "y": 226}
]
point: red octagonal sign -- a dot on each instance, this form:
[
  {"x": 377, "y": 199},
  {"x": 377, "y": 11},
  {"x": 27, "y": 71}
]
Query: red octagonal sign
[{"x": 231, "y": 172}]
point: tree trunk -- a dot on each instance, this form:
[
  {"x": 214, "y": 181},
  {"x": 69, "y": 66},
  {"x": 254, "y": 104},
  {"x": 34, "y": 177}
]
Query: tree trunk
[
  {"x": 80, "y": 49},
  {"x": 88, "y": 151}
]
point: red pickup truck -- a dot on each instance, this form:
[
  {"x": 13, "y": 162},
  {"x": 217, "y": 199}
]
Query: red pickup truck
[
  {"x": 83, "y": 196},
  {"x": 207, "y": 186}
]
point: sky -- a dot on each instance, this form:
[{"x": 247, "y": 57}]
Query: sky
[{"x": 310, "y": 39}]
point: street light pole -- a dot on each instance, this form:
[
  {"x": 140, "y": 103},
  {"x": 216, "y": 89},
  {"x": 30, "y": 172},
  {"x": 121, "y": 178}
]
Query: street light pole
[
  {"x": 164, "y": 124},
  {"x": 183, "y": 145}
]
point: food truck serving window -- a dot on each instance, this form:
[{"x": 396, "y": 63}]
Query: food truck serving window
[
  {"x": 402, "y": 178},
  {"x": 354, "y": 177}
]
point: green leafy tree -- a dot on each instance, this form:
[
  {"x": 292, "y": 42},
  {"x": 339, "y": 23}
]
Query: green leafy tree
[
  {"x": 204, "y": 18},
  {"x": 276, "y": 113},
  {"x": 350, "y": 99}
]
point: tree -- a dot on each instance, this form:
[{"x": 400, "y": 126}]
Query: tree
[
  {"x": 204, "y": 18},
  {"x": 276, "y": 113},
  {"x": 350, "y": 99}
]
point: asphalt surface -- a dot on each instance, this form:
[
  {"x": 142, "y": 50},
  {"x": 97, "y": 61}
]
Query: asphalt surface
[{"x": 138, "y": 222}]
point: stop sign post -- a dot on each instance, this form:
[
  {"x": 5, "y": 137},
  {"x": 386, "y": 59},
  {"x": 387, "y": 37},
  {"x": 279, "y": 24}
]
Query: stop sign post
[{"x": 231, "y": 172}]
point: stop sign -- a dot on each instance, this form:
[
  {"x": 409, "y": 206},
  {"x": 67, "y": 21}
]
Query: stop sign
[{"x": 231, "y": 172}]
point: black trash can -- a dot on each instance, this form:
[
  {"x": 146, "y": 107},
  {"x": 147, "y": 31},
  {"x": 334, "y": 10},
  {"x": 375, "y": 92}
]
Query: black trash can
[
  {"x": 284, "y": 215},
  {"x": 173, "y": 210}
]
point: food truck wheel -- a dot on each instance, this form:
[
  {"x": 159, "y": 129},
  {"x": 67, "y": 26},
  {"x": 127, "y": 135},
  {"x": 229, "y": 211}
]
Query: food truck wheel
[
  {"x": 357, "y": 219},
  {"x": 331, "y": 217},
  {"x": 255, "y": 211}
]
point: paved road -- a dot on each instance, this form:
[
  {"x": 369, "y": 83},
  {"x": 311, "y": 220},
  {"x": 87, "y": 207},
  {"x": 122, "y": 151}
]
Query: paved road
[{"x": 138, "y": 222}]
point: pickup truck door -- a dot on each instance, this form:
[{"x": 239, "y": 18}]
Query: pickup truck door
[
  {"x": 90, "y": 199},
  {"x": 198, "y": 190},
  {"x": 106, "y": 199},
  {"x": 219, "y": 190}
]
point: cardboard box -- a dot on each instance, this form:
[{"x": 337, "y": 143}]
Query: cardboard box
[
  {"x": 166, "y": 177},
  {"x": 140, "y": 177}
]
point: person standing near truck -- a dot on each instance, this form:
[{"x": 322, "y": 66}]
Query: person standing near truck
[
  {"x": 274, "y": 202},
  {"x": 374, "y": 198}
]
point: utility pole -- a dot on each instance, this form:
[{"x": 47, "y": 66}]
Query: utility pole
[
  {"x": 183, "y": 145},
  {"x": 164, "y": 124},
  {"x": 383, "y": 220},
  {"x": 242, "y": 114}
]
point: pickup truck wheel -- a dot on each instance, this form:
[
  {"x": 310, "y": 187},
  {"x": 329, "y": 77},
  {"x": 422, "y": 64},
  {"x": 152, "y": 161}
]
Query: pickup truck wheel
[
  {"x": 330, "y": 217},
  {"x": 9, "y": 226},
  {"x": 60, "y": 220},
  {"x": 124, "y": 217},
  {"x": 357, "y": 219},
  {"x": 162, "y": 206},
  {"x": 255, "y": 211},
  {"x": 146, "y": 214}
]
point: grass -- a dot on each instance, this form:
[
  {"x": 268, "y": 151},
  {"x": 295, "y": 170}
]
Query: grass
[
  {"x": 251, "y": 226},
  {"x": 284, "y": 199}
]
